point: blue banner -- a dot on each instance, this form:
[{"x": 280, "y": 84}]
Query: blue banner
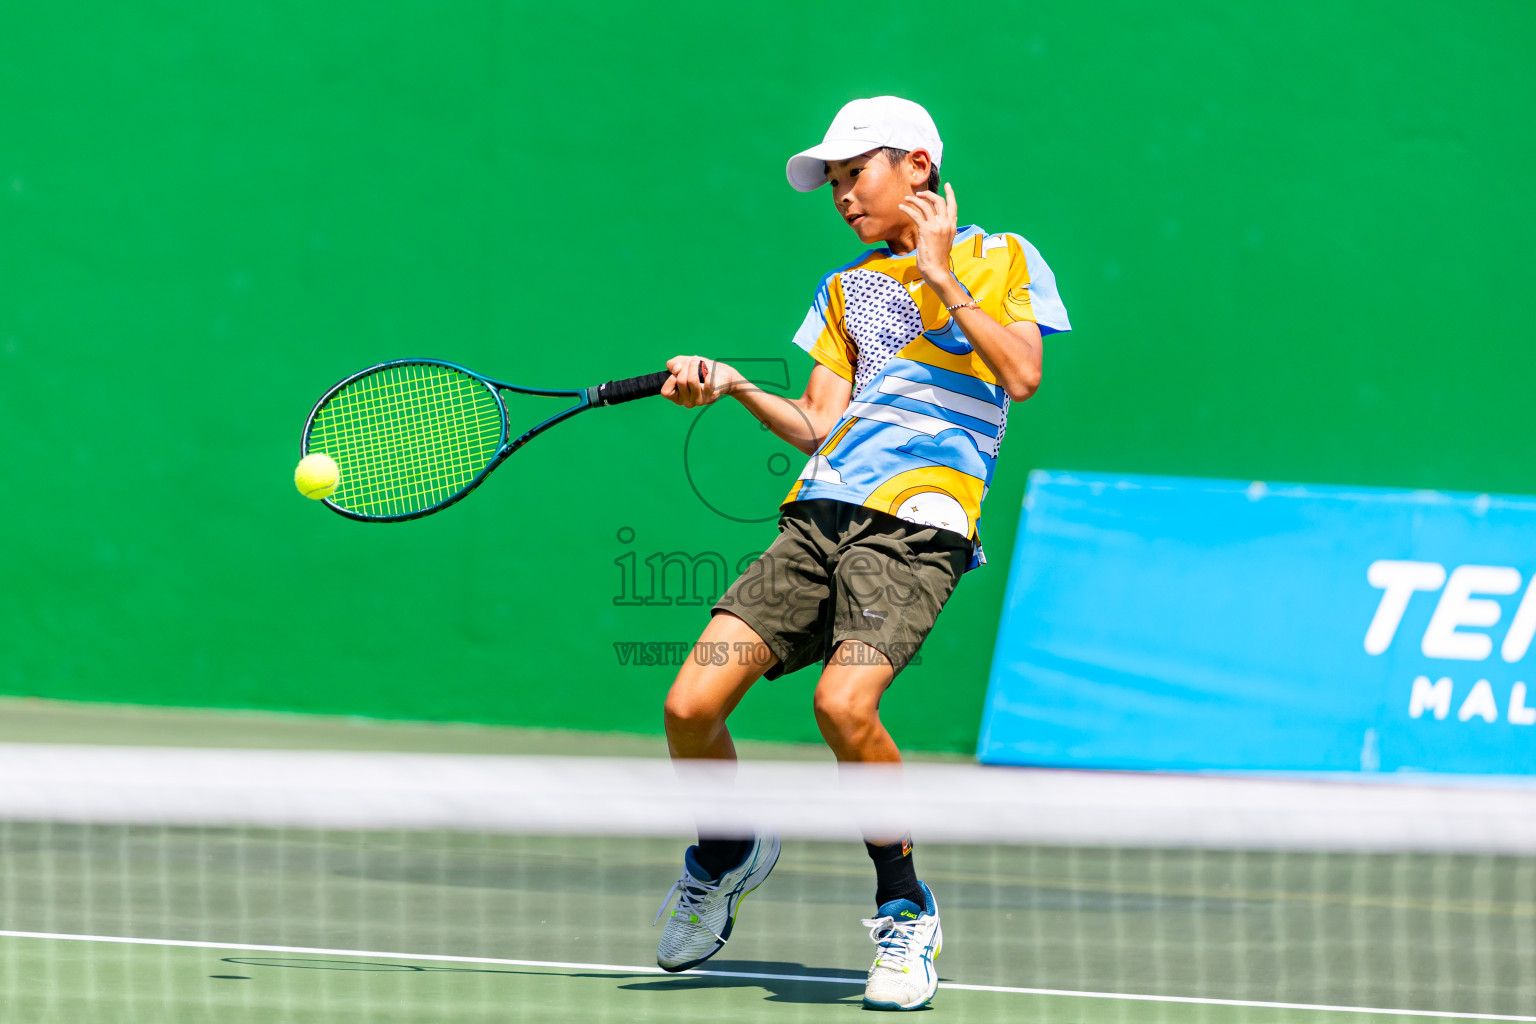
[{"x": 1168, "y": 623}]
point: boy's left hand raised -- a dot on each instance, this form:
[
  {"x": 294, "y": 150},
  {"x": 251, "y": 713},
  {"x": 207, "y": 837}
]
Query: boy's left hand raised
[{"x": 935, "y": 217}]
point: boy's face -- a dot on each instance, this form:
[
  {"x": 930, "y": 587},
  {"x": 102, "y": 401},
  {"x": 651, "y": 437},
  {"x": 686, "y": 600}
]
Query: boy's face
[{"x": 868, "y": 191}]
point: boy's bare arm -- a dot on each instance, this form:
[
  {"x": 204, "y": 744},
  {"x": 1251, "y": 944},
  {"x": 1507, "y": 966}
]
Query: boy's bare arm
[
  {"x": 803, "y": 422},
  {"x": 1013, "y": 353}
]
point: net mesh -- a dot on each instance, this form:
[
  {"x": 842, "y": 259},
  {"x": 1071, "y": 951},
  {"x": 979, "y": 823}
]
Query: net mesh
[
  {"x": 452, "y": 914},
  {"x": 407, "y": 437}
]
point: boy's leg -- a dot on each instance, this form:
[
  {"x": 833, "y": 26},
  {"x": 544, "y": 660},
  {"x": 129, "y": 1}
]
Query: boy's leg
[
  {"x": 721, "y": 870},
  {"x": 701, "y": 698},
  {"x": 890, "y": 581},
  {"x": 906, "y": 923},
  {"x": 847, "y": 703},
  {"x": 768, "y": 622},
  {"x": 847, "y": 706}
]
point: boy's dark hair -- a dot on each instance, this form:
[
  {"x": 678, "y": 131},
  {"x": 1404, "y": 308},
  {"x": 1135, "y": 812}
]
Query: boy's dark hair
[{"x": 893, "y": 157}]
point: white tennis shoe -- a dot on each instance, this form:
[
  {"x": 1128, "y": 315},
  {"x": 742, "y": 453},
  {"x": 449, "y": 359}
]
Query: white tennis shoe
[
  {"x": 705, "y": 912},
  {"x": 907, "y": 938}
]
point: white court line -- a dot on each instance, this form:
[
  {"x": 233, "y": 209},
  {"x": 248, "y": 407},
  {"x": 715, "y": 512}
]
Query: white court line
[{"x": 622, "y": 969}]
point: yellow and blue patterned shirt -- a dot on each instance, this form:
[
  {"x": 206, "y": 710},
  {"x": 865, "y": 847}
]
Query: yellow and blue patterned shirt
[{"x": 921, "y": 435}]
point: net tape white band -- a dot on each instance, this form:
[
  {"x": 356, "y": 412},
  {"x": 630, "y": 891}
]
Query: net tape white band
[{"x": 635, "y": 796}]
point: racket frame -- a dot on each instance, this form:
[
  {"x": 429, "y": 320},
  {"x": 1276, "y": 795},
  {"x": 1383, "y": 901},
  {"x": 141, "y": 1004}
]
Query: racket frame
[{"x": 586, "y": 398}]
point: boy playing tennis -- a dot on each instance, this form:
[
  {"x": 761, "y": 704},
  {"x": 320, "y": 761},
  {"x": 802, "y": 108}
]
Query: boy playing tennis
[{"x": 919, "y": 346}]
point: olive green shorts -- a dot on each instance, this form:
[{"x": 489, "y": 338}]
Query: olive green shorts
[{"x": 839, "y": 571}]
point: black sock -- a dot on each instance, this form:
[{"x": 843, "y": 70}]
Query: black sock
[
  {"x": 717, "y": 856},
  {"x": 895, "y": 874}
]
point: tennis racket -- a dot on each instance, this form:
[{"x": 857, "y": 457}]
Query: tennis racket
[{"x": 413, "y": 436}]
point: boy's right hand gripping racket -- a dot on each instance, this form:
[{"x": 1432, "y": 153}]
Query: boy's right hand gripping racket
[{"x": 413, "y": 436}]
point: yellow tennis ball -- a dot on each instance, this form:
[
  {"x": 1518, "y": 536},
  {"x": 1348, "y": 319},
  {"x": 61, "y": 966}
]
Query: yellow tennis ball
[{"x": 317, "y": 476}]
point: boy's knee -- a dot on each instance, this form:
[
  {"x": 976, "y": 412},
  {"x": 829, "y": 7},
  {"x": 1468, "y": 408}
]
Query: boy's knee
[
  {"x": 844, "y": 708},
  {"x": 686, "y": 712}
]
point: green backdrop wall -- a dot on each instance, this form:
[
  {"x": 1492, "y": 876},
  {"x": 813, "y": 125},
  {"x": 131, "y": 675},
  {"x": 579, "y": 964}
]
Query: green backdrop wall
[{"x": 1293, "y": 239}]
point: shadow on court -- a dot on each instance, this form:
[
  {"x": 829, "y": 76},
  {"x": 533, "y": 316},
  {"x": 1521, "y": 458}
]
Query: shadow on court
[
  {"x": 759, "y": 974},
  {"x": 780, "y": 989}
]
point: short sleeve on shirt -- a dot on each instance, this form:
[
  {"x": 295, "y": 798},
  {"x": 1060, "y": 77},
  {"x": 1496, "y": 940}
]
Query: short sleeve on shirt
[
  {"x": 1031, "y": 289},
  {"x": 822, "y": 333}
]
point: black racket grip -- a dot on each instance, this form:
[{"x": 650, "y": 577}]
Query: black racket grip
[
  {"x": 617, "y": 392},
  {"x": 631, "y": 388}
]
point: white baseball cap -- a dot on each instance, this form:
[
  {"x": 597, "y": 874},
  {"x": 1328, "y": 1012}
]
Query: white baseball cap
[{"x": 863, "y": 125}]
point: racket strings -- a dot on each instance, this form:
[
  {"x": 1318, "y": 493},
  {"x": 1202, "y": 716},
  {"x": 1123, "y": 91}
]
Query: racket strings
[
  {"x": 426, "y": 449},
  {"x": 422, "y": 451},
  {"x": 407, "y": 438}
]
